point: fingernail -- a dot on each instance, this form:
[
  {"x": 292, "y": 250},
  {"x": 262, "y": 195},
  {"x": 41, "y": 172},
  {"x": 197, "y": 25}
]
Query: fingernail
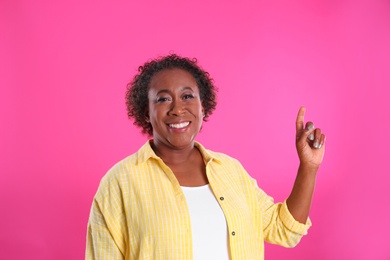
[
  {"x": 310, "y": 127},
  {"x": 316, "y": 145},
  {"x": 311, "y": 137},
  {"x": 319, "y": 147}
]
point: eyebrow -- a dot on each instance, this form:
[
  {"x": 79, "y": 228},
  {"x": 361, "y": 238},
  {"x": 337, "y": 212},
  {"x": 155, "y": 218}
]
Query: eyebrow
[{"x": 181, "y": 89}]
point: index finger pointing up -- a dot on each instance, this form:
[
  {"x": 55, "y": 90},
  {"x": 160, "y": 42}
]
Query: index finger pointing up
[{"x": 300, "y": 119}]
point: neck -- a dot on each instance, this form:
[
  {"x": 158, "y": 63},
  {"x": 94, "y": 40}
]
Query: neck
[{"x": 173, "y": 156}]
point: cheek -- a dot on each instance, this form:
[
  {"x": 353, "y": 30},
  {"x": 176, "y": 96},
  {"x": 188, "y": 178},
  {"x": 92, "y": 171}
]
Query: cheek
[
  {"x": 201, "y": 109},
  {"x": 156, "y": 114}
]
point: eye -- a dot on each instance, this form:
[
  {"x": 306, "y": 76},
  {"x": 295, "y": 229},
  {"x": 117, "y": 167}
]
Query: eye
[
  {"x": 162, "y": 99},
  {"x": 188, "y": 96}
]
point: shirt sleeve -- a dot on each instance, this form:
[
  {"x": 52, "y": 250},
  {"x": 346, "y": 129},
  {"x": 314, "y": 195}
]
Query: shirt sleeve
[
  {"x": 279, "y": 226},
  {"x": 105, "y": 237}
]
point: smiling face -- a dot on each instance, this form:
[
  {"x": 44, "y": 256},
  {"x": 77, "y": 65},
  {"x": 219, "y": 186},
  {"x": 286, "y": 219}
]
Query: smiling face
[{"x": 175, "y": 109}]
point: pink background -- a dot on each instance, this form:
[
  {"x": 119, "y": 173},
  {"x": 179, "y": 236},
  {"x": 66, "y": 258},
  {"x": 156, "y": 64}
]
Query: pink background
[{"x": 64, "y": 67}]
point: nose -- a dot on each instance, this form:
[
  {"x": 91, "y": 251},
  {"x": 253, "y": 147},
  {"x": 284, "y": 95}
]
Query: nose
[{"x": 177, "y": 108}]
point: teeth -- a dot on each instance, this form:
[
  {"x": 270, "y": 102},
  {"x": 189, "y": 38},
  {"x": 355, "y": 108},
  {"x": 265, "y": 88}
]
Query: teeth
[{"x": 181, "y": 125}]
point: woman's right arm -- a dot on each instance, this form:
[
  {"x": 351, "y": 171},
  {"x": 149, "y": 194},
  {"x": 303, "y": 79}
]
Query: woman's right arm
[{"x": 106, "y": 237}]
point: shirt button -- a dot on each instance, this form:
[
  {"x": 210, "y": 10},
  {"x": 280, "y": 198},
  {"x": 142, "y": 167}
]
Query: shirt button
[
  {"x": 221, "y": 198},
  {"x": 233, "y": 233}
]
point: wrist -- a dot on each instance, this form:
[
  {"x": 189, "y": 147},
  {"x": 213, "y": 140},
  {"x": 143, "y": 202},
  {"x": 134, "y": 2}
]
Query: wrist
[{"x": 308, "y": 168}]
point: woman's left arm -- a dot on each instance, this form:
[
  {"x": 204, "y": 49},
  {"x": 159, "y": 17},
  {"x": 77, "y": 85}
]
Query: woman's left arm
[{"x": 310, "y": 144}]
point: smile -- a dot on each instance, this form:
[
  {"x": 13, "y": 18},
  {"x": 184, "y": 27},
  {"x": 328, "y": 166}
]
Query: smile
[{"x": 180, "y": 125}]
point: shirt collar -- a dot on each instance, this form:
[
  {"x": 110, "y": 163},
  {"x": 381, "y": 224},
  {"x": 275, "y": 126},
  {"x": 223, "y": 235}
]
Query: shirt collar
[{"x": 146, "y": 152}]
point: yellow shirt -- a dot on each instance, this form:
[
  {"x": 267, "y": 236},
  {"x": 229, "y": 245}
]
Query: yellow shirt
[{"x": 140, "y": 211}]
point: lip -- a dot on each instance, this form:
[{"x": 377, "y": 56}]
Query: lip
[{"x": 181, "y": 125}]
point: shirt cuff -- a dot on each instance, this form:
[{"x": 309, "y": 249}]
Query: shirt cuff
[{"x": 289, "y": 221}]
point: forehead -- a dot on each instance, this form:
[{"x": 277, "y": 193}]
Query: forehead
[{"x": 172, "y": 79}]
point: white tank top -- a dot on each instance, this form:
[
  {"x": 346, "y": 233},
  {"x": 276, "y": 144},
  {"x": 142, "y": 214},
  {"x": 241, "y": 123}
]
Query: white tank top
[{"x": 209, "y": 228}]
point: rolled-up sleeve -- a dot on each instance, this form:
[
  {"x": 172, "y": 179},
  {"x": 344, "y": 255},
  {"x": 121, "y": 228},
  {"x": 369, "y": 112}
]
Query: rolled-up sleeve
[
  {"x": 279, "y": 226},
  {"x": 290, "y": 223}
]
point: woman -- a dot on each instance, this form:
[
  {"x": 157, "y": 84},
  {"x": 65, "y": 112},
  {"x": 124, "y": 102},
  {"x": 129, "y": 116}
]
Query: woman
[{"x": 174, "y": 199}]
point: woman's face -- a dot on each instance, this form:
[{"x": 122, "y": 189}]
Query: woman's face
[{"x": 175, "y": 108}]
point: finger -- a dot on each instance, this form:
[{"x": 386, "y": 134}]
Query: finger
[
  {"x": 322, "y": 140},
  {"x": 309, "y": 129},
  {"x": 306, "y": 134},
  {"x": 300, "y": 119},
  {"x": 317, "y": 138}
]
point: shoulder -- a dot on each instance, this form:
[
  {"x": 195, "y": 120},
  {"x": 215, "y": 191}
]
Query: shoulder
[
  {"x": 224, "y": 158},
  {"x": 127, "y": 169},
  {"x": 210, "y": 155},
  {"x": 232, "y": 172},
  {"x": 117, "y": 176},
  {"x": 221, "y": 160},
  {"x": 123, "y": 167}
]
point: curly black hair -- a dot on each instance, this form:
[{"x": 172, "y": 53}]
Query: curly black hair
[{"x": 137, "y": 90}]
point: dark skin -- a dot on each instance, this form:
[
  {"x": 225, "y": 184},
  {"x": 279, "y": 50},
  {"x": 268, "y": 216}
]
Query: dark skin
[
  {"x": 176, "y": 114},
  {"x": 310, "y": 144},
  {"x": 189, "y": 171}
]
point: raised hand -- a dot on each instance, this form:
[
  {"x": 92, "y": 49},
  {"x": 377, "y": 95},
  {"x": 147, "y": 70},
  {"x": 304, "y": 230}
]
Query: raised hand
[{"x": 310, "y": 142}]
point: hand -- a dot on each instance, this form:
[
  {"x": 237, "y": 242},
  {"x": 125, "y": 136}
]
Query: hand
[{"x": 310, "y": 142}]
